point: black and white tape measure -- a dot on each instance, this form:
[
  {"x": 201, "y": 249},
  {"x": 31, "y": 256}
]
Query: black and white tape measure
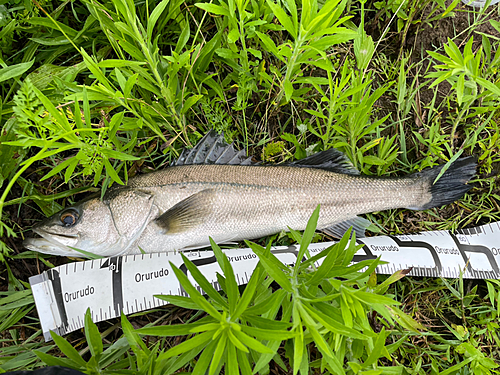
[{"x": 128, "y": 283}]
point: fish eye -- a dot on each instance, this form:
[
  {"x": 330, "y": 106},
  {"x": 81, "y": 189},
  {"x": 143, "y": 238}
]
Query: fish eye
[{"x": 69, "y": 218}]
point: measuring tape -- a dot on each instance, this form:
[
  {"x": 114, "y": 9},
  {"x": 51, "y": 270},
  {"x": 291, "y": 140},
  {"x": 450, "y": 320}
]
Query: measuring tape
[{"x": 128, "y": 283}]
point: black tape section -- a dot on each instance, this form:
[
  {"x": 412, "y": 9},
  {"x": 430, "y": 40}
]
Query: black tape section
[
  {"x": 368, "y": 253},
  {"x": 115, "y": 267},
  {"x": 476, "y": 249},
  {"x": 197, "y": 263},
  {"x": 117, "y": 284},
  {"x": 53, "y": 276},
  {"x": 424, "y": 245}
]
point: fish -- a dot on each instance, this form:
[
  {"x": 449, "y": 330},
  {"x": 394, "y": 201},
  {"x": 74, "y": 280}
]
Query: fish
[{"x": 213, "y": 190}]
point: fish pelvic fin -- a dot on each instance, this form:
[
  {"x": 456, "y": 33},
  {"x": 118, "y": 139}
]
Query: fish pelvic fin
[
  {"x": 188, "y": 213},
  {"x": 452, "y": 185}
]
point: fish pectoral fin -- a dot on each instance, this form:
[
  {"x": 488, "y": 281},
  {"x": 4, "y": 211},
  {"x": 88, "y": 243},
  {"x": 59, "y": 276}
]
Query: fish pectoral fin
[
  {"x": 188, "y": 213},
  {"x": 357, "y": 223}
]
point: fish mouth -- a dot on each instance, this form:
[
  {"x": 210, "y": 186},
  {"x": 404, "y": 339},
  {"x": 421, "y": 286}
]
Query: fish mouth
[
  {"x": 47, "y": 233},
  {"x": 49, "y": 242}
]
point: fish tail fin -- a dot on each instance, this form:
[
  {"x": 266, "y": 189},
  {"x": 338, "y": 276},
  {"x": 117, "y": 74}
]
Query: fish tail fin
[{"x": 451, "y": 186}]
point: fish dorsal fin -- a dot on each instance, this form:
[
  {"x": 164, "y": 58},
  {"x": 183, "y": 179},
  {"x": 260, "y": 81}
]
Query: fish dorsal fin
[
  {"x": 357, "y": 223},
  {"x": 213, "y": 149},
  {"x": 332, "y": 160},
  {"x": 188, "y": 213}
]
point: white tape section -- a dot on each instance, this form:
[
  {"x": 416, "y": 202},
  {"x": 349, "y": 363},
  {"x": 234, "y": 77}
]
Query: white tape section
[{"x": 128, "y": 283}]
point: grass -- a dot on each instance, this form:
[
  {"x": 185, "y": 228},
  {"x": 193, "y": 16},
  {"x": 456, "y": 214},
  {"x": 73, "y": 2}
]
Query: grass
[{"x": 94, "y": 92}]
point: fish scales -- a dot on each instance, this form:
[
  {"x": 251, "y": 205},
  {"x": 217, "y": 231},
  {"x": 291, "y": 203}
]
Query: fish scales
[
  {"x": 259, "y": 201},
  {"x": 224, "y": 197}
]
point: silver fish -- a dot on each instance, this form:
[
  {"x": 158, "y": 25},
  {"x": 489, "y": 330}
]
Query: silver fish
[{"x": 212, "y": 190}]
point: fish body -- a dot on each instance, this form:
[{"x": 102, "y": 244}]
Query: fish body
[{"x": 180, "y": 207}]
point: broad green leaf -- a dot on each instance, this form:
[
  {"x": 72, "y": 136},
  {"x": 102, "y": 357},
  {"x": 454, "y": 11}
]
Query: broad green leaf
[
  {"x": 288, "y": 89},
  {"x": 231, "y": 284},
  {"x": 405, "y": 320},
  {"x": 363, "y": 49},
  {"x": 53, "y": 24},
  {"x": 267, "y": 323},
  {"x": 56, "y": 361},
  {"x": 264, "y": 359},
  {"x": 153, "y": 18},
  {"x": 118, "y": 155},
  {"x": 133, "y": 338},
  {"x": 248, "y": 294},
  {"x": 184, "y": 37},
  {"x": 283, "y": 18},
  {"x": 111, "y": 172},
  {"x": 212, "y": 8},
  {"x": 92, "y": 335},
  {"x": 122, "y": 81},
  {"x": 217, "y": 356},
  {"x": 268, "y": 260},
  {"x": 489, "y": 85},
  {"x": 232, "y": 359},
  {"x": 269, "y": 44},
  {"x": 252, "y": 343},
  {"x": 116, "y": 63},
  {"x": 317, "y": 337},
  {"x": 373, "y": 160},
  {"x": 378, "y": 349},
  {"x": 268, "y": 334},
  {"x": 131, "y": 82},
  {"x": 233, "y": 36},
  {"x": 193, "y": 292},
  {"x": 22, "y": 294},
  {"x": 94, "y": 68},
  {"x": 244, "y": 363},
  {"x": 66, "y": 163},
  {"x": 236, "y": 343},
  {"x": 114, "y": 124},
  {"x": 226, "y": 53},
  {"x": 196, "y": 341},
  {"x": 370, "y": 298},
  {"x": 299, "y": 350},
  {"x": 332, "y": 324},
  {"x": 205, "y": 358},
  {"x": 307, "y": 238},
  {"x": 448, "y": 165},
  {"x": 68, "y": 350},
  {"x": 448, "y": 10},
  {"x": 193, "y": 99},
  {"x": 57, "y": 41},
  {"x": 172, "y": 330},
  {"x": 71, "y": 168},
  {"x": 202, "y": 281},
  {"x": 15, "y": 70},
  {"x": 328, "y": 15},
  {"x": 59, "y": 118}
]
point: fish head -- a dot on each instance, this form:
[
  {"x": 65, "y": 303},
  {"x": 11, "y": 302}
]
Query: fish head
[
  {"x": 85, "y": 226},
  {"x": 107, "y": 227}
]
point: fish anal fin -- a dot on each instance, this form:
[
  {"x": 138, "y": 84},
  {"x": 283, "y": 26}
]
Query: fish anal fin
[
  {"x": 357, "y": 223},
  {"x": 188, "y": 213}
]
